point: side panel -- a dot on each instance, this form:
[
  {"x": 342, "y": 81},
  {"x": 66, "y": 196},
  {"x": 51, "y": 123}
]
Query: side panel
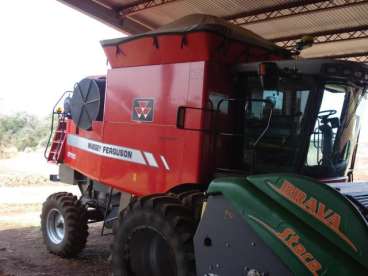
[
  {"x": 234, "y": 249},
  {"x": 323, "y": 208},
  {"x": 82, "y": 160},
  {"x": 171, "y": 155},
  {"x": 304, "y": 247},
  {"x": 138, "y": 148}
]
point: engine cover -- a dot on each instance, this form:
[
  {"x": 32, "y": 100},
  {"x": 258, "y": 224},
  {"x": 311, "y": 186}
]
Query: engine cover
[{"x": 357, "y": 193}]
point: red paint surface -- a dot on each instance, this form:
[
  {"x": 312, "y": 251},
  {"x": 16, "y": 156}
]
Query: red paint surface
[{"x": 173, "y": 76}]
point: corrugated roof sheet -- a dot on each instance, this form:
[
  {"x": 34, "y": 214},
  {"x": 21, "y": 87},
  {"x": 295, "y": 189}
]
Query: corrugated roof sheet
[
  {"x": 164, "y": 14},
  {"x": 312, "y": 22},
  {"x": 337, "y": 48},
  {"x": 115, "y": 4},
  {"x": 155, "y": 13}
]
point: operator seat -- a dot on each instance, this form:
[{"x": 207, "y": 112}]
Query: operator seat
[
  {"x": 328, "y": 124},
  {"x": 332, "y": 165}
]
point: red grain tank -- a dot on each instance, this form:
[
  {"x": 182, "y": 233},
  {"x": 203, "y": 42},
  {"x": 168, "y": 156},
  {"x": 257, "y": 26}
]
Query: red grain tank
[{"x": 149, "y": 132}]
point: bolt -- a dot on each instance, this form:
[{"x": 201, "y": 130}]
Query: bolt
[
  {"x": 207, "y": 242},
  {"x": 227, "y": 244},
  {"x": 254, "y": 272},
  {"x": 253, "y": 244}
]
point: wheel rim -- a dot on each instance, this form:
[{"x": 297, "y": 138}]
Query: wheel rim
[
  {"x": 55, "y": 226},
  {"x": 150, "y": 254}
]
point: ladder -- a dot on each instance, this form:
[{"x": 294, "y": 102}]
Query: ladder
[{"x": 58, "y": 141}]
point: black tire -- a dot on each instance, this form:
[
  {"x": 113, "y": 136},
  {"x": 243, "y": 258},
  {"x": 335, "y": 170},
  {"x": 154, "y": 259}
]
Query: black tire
[
  {"x": 74, "y": 226},
  {"x": 193, "y": 199},
  {"x": 154, "y": 238}
]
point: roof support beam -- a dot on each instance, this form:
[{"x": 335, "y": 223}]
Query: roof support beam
[
  {"x": 288, "y": 9},
  {"x": 289, "y": 42},
  {"x": 358, "y": 56},
  {"x": 141, "y": 5},
  {"x": 105, "y": 15}
]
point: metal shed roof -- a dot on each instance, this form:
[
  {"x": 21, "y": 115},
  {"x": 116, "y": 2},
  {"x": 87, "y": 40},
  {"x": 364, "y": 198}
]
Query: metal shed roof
[{"x": 340, "y": 27}]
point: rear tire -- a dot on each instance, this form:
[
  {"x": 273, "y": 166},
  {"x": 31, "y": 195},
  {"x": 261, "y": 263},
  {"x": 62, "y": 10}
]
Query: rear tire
[
  {"x": 154, "y": 238},
  {"x": 64, "y": 225}
]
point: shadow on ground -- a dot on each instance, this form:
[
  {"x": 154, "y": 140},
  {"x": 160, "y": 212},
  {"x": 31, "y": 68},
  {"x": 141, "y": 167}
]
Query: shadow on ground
[{"x": 22, "y": 253}]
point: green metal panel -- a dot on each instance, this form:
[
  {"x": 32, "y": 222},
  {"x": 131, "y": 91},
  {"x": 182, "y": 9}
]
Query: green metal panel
[{"x": 312, "y": 227}]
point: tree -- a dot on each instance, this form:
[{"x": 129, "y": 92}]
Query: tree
[{"x": 23, "y": 130}]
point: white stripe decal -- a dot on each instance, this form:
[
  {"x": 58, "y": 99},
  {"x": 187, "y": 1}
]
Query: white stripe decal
[
  {"x": 150, "y": 159},
  {"x": 165, "y": 163},
  {"x": 71, "y": 155},
  {"x": 107, "y": 150}
]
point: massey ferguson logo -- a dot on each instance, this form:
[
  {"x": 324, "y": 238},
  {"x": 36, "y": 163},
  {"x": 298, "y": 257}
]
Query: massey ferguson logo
[{"x": 143, "y": 110}]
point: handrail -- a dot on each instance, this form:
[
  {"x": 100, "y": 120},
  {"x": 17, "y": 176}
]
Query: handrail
[{"x": 52, "y": 122}]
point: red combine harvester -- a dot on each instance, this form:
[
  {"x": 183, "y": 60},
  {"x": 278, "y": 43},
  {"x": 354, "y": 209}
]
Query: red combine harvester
[{"x": 193, "y": 101}]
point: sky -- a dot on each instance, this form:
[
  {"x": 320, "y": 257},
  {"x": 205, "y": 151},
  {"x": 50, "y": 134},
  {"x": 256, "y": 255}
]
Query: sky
[{"x": 45, "y": 48}]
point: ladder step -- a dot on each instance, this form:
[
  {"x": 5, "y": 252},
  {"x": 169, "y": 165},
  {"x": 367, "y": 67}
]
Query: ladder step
[{"x": 58, "y": 140}]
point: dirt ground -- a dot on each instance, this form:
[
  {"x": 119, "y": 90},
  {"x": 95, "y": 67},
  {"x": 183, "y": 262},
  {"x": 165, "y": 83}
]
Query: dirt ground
[
  {"x": 23, "y": 188},
  {"x": 22, "y": 253}
]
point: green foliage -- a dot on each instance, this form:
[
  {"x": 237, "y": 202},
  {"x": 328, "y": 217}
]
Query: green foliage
[{"x": 23, "y": 130}]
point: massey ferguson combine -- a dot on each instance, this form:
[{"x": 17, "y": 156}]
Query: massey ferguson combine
[{"x": 208, "y": 150}]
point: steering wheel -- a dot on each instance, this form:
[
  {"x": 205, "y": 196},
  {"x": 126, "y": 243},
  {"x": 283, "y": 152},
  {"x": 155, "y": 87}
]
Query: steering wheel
[{"x": 326, "y": 113}]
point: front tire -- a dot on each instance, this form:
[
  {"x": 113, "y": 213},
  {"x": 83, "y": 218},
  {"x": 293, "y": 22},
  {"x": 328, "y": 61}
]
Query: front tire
[
  {"x": 64, "y": 225},
  {"x": 193, "y": 199},
  {"x": 154, "y": 238}
]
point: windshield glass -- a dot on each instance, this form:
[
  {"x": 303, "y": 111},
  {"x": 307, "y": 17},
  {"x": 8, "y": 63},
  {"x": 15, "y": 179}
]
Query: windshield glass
[
  {"x": 335, "y": 133},
  {"x": 268, "y": 125},
  {"x": 272, "y": 131},
  {"x": 297, "y": 127}
]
